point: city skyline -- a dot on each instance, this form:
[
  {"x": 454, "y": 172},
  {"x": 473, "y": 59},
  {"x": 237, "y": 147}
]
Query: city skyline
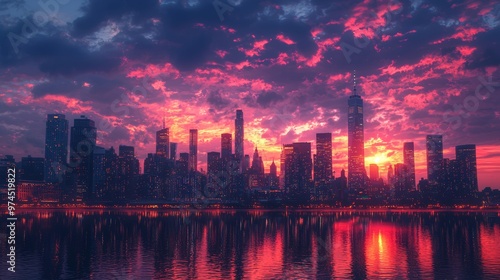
[
  {"x": 83, "y": 132},
  {"x": 291, "y": 80}
]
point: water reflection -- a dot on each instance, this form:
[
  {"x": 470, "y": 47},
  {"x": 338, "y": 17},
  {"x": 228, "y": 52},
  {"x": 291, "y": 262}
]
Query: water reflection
[{"x": 255, "y": 245}]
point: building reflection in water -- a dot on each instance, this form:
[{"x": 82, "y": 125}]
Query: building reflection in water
[{"x": 256, "y": 244}]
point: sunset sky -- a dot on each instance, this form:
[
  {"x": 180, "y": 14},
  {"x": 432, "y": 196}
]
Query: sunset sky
[{"x": 286, "y": 64}]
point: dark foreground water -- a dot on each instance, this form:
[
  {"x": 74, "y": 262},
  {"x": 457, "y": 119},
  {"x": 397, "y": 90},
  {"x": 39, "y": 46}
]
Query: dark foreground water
[{"x": 254, "y": 245}]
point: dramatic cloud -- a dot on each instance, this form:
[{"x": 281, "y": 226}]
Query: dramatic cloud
[{"x": 423, "y": 67}]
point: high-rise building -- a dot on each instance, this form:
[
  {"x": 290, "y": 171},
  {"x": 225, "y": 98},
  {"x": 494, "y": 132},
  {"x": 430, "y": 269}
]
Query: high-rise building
[
  {"x": 246, "y": 163},
  {"x": 213, "y": 162},
  {"x": 434, "y": 145},
  {"x": 451, "y": 174},
  {"x": 356, "y": 146},
  {"x": 239, "y": 135},
  {"x": 323, "y": 159},
  {"x": 128, "y": 169},
  {"x": 163, "y": 142},
  {"x": 401, "y": 181},
  {"x": 183, "y": 163},
  {"x": 99, "y": 171},
  {"x": 56, "y": 147},
  {"x": 374, "y": 173},
  {"x": 390, "y": 175},
  {"x": 286, "y": 153},
  {"x": 409, "y": 161},
  {"x": 193, "y": 150},
  {"x": 226, "y": 145},
  {"x": 82, "y": 143},
  {"x": 467, "y": 166},
  {"x": 298, "y": 169},
  {"x": 173, "y": 150}
]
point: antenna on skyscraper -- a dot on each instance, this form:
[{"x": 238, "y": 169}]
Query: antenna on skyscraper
[
  {"x": 354, "y": 82},
  {"x": 163, "y": 122}
]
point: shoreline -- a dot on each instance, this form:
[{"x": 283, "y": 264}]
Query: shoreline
[{"x": 29, "y": 209}]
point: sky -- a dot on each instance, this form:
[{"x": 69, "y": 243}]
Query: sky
[{"x": 422, "y": 67}]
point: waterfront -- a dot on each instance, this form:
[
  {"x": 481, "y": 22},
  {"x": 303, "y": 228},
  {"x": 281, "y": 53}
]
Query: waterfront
[{"x": 255, "y": 244}]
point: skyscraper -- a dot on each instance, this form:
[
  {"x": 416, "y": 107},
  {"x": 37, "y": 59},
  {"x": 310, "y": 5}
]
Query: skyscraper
[
  {"x": 82, "y": 143},
  {"x": 374, "y": 173},
  {"x": 434, "y": 145},
  {"x": 193, "y": 150},
  {"x": 286, "y": 153},
  {"x": 128, "y": 169},
  {"x": 356, "y": 146},
  {"x": 401, "y": 181},
  {"x": 163, "y": 142},
  {"x": 226, "y": 145},
  {"x": 213, "y": 162},
  {"x": 390, "y": 175},
  {"x": 99, "y": 171},
  {"x": 467, "y": 167},
  {"x": 323, "y": 159},
  {"x": 56, "y": 147},
  {"x": 298, "y": 169},
  {"x": 409, "y": 161},
  {"x": 173, "y": 150},
  {"x": 239, "y": 135}
]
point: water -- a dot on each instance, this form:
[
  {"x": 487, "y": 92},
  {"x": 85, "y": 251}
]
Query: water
[{"x": 84, "y": 244}]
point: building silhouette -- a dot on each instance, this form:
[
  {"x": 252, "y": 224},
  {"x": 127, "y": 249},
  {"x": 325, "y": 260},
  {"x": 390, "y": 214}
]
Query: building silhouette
[
  {"x": 409, "y": 161},
  {"x": 239, "y": 136},
  {"x": 390, "y": 175},
  {"x": 163, "y": 142},
  {"x": 193, "y": 150},
  {"x": 173, "y": 151},
  {"x": 434, "y": 145},
  {"x": 467, "y": 166},
  {"x": 82, "y": 143},
  {"x": 323, "y": 159},
  {"x": 355, "y": 130},
  {"x": 226, "y": 145},
  {"x": 257, "y": 163},
  {"x": 298, "y": 171},
  {"x": 56, "y": 147}
]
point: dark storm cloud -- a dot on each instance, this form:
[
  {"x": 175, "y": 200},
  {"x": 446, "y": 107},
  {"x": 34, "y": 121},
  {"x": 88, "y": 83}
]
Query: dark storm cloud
[
  {"x": 268, "y": 98},
  {"x": 63, "y": 87},
  {"x": 98, "y": 14},
  {"x": 58, "y": 56},
  {"x": 217, "y": 100}
]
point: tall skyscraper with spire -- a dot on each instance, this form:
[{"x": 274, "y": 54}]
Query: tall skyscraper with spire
[
  {"x": 356, "y": 144},
  {"x": 239, "y": 136}
]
